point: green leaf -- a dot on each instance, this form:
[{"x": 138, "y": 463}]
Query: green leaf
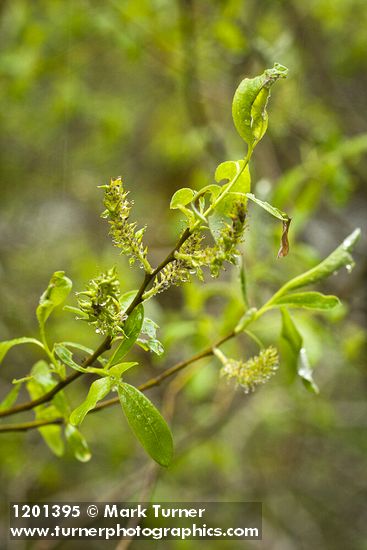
[
  {"x": 81, "y": 347},
  {"x": 213, "y": 189},
  {"x": 77, "y": 443},
  {"x": 42, "y": 374},
  {"x": 250, "y": 101},
  {"x": 217, "y": 223},
  {"x": 259, "y": 115},
  {"x": 52, "y": 436},
  {"x": 126, "y": 299},
  {"x": 149, "y": 328},
  {"x": 56, "y": 293},
  {"x": 227, "y": 205},
  {"x": 147, "y": 424},
  {"x": 269, "y": 208},
  {"x": 66, "y": 357},
  {"x": 224, "y": 210},
  {"x": 305, "y": 371},
  {"x": 81, "y": 314},
  {"x": 132, "y": 328},
  {"x": 337, "y": 259},
  {"x": 191, "y": 218},
  {"x": 8, "y": 344},
  {"x": 298, "y": 352},
  {"x": 117, "y": 370},
  {"x": 245, "y": 320},
  {"x": 284, "y": 244},
  {"x": 243, "y": 283},
  {"x": 182, "y": 197},
  {"x": 229, "y": 170},
  {"x": 11, "y": 397},
  {"x": 40, "y": 383},
  {"x": 153, "y": 345},
  {"x": 97, "y": 391},
  {"x": 43, "y": 381},
  {"x": 308, "y": 300}
]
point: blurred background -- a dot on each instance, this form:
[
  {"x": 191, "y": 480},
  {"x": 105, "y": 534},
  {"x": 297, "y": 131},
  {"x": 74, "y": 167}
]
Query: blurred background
[{"x": 143, "y": 89}]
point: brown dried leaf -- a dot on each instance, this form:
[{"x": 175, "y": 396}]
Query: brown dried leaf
[{"x": 284, "y": 247}]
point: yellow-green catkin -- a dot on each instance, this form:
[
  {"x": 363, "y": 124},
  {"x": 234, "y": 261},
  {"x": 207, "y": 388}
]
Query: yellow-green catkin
[{"x": 253, "y": 372}]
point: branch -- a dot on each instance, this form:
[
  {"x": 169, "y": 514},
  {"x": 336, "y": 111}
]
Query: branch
[
  {"x": 25, "y": 426},
  {"x": 149, "y": 277},
  {"x": 143, "y": 387},
  {"x": 45, "y": 398},
  {"x": 105, "y": 345}
]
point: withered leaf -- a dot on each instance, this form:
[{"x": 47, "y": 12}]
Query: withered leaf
[{"x": 284, "y": 246}]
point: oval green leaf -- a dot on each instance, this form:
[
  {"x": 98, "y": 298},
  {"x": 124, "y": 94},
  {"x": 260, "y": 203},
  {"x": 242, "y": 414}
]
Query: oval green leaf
[
  {"x": 77, "y": 444},
  {"x": 229, "y": 170},
  {"x": 126, "y": 299},
  {"x": 299, "y": 358},
  {"x": 87, "y": 350},
  {"x": 10, "y": 397},
  {"x": 97, "y": 391},
  {"x": 182, "y": 197},
  {"x": 250, "y": 101},
  {"x": 246, "y": 320},
  {"x": 40, "y": 382},
  {"x": 8, "y": 344},
  {"x": 147, "y": 424},
  {"x": 55, "y": 294},
  {"x": 132, "y": 328},
  {"x": 212, "y": 188},
  {"x": 337, "y": 259},
  {"x": 65, "y": 355},
  {"x": 117, "y": 370},
  {"x": 269, "y": 208},
  {"x": 52, "y": 436},
  {"x": 308, "y": 300}
]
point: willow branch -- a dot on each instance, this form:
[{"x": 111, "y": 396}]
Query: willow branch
[
  {"x": 46, "y": 397},
  {"x": 169, "y": 372},
  {"x": 105, "y": 345},
  {"x": 156, "y": 381},
  {"x": 149, "y": 277},
  {"x": 25, "y": 426}
]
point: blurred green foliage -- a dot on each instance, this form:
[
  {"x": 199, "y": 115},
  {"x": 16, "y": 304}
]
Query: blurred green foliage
[{"x": 91, "y": 90}]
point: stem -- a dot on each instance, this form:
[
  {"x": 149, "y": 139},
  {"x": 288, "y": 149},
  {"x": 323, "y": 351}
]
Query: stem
[
  {"x": 149, "y": 277},
  {"x": 220, "y": 355},
  {"x": 46, "y": 346},
  {"x": 105, "y": 345},
  {"x": 25, "y": 426},
  {"x": 170, "y": 372},
  {"x": 139, "y": 298},
  {"x": 228, "y": 188},
  {"x": 143, "y": 387}
]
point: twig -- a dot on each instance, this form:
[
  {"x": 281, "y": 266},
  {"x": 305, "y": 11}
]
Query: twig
[
  {"x": 169, "y": 372},
  {"x": 149, "y": 277},
  {"x": 105, "y": 345},
  {"x": 25, "y": 426},
  {"x": 143, "y": 387}
]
